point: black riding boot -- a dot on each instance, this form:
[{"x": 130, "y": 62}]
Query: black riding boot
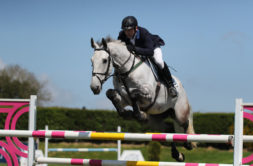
[{"x": 168, "y": 80}]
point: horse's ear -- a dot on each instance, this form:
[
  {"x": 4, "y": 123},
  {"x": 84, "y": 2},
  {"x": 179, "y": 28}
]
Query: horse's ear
[
  {"x": 93, "y": 44},
  {"x": 104, "y": 43}
]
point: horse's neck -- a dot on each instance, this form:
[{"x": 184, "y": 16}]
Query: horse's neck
[
  {"x": 121, "y": 56},
  {"x": 141, "y": 76}
]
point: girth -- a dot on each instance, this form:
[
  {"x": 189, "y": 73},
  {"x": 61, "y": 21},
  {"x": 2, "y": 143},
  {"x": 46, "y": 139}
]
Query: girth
[{"x": 133, "y": 101}]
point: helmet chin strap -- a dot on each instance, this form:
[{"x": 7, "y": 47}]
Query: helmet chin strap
[{"x": 135, "y": 30}]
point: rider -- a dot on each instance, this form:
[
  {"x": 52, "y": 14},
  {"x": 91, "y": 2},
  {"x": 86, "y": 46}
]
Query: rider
[{"x": 139, "y": 40}]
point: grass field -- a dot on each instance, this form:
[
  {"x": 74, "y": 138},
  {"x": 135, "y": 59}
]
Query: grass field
[{"x": 198, "y": 155}]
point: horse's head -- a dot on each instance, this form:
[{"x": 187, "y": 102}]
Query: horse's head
[{"x": 101, "y": 66}]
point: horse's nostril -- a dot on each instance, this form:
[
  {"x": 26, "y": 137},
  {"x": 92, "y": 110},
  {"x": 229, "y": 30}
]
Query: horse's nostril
[{"x": 95, "y": 89}]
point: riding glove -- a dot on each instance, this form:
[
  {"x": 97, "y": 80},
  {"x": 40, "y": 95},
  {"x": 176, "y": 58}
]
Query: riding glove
[{"x": 130, "y": 48}]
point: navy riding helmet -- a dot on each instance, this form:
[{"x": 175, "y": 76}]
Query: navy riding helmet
[{"x": 129, "y": 22}]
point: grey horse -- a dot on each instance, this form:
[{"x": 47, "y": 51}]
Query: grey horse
[{"x": 135, "y": 85}]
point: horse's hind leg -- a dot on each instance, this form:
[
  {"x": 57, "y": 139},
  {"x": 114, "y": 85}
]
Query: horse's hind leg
[
  {"x": 184, "y": 122},
  {"x": 158, "y": 123},
  {"x": 176, "y": 154}
]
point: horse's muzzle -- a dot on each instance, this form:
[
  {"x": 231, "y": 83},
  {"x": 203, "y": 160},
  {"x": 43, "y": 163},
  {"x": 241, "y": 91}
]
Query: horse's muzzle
[{"x": 95, "y": 89}]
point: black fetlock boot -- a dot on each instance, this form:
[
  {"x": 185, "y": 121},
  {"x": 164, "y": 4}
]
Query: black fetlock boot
[{"x": 168, "y": 81}]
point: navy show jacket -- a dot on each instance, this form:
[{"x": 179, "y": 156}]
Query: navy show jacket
[{"x": 145, "y": 42}]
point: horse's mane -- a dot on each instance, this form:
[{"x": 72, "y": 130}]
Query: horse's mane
[{"x": 109, "y": 39}]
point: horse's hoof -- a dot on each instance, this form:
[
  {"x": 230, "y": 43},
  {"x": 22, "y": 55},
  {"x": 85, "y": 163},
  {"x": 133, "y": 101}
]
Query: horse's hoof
[
  {"x": 141, "y": 116},
  {"x": 188, "y": 145},
  {"x": 126, "y": 114},
  {"x": 194, "y": 144},
  {"x": 179, "y": 157}
]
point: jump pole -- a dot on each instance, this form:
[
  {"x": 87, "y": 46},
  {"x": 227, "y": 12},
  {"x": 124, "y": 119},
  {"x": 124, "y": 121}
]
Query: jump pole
[
  {"x": 91, "y": 162},
  {"x": 118, "y": 149},
  {"x": 91, "y": 135},
  {"x": 82, "y": 149}
]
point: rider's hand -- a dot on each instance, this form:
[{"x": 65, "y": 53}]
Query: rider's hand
[{"x": 130, "y": 48}]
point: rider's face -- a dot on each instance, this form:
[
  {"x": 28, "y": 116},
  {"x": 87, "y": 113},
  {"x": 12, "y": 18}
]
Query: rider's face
[{"x": 130, "y": 33}]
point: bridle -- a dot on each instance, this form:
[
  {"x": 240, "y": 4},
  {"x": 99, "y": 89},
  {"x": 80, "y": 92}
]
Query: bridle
[
  {"x": 107, "y": 69},
  {"x": 117, "y": 74}
]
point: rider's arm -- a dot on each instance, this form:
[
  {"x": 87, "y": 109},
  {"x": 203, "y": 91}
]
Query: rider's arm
[
  {"x": 145, "y": 44},
  {"x": 147, "y": 49}
]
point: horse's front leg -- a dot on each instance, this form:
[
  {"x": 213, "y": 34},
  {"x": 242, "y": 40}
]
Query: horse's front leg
[
  {"x": 140, "y": 96},
  {"x": 119, "y": 103},
  {"x": 137, "y": 113}
]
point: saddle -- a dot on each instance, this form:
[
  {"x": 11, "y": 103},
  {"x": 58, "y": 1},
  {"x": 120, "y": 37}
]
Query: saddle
[{"x": 156, "y": 70}]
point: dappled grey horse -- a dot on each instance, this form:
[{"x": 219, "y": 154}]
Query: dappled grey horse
[{"x": 135, "y": 85}]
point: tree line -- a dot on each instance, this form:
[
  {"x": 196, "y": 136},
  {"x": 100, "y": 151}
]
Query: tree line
[{"x": 18, "y": 83}]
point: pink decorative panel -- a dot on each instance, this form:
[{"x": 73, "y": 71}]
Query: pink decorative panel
[
  {"x": 249, "y": 117},
  {"x": 13, "y": 147},
  {"x": 248, "y": 108}
]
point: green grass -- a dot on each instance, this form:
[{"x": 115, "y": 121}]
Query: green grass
[{"x": 198, "y": 155}]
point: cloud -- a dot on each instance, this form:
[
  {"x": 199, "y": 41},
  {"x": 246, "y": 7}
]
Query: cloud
[
  {"x": 59, "y": 97},
  {"x": 2, "y": 65},
  {"x": 238, "y": 38},
  {"x": 235, "y": 36}
]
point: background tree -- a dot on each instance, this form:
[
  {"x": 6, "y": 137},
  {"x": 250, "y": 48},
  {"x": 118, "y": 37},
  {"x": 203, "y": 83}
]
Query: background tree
[{"x": 17, "y": 82}]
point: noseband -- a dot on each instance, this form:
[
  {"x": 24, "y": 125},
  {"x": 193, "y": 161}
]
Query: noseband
[{"x": 107, "y": 69}]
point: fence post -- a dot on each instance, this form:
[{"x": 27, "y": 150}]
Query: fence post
[
  {"x": 119, "y": 143},
  {"x": 238, "y": 133},
  {"x": 46, "y": 144},
  {"x": 32, "y": 127}
]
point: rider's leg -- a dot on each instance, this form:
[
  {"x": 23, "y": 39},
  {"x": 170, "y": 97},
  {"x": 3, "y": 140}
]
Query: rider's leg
[
  {"x": 169, "y": 81},
  {"x": 158, "y": 58}
]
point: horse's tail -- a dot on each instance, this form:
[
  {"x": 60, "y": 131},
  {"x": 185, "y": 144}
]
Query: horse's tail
[
  {"x": 190, "y": 129},
  {"x": 190, "y": 125}
]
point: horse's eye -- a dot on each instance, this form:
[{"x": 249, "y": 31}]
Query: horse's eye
[{"x": 104, "y": 60}]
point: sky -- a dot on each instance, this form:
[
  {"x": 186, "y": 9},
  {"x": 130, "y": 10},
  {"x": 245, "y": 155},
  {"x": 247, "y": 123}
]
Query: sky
[{"x": 209, "y": 43}]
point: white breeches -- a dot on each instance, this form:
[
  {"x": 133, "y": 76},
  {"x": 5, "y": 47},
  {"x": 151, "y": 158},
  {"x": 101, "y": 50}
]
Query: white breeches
[{"x": 158, "y": 57}]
